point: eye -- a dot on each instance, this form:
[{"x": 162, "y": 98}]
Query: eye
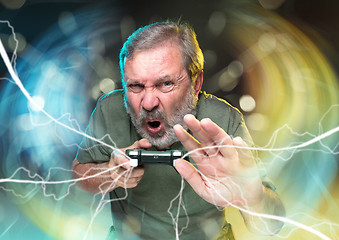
[
  {"x": 136, "y": 87},
  {"x": 166, "y": 86}
]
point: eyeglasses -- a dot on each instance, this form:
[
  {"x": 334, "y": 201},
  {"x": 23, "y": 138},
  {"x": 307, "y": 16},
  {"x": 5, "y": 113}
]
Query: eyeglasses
[{"x": 164, "y": 87}]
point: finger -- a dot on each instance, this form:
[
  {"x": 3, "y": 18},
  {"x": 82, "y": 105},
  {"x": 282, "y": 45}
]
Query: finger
[
  {"x": 245, "y": 154},
  {"x": 220, "y": 137},
  {"x": 189, "y": 142},
  {"x": 205, "y": 140},
  {"x": 142, "y": 143},
  {"x": 190, "y": 174},
  {"x": 129, "y": 183},
  {"x": 119, "y": 160},
  {"x": 136, "y": 172},
  {"x": 127, "y": 178}
]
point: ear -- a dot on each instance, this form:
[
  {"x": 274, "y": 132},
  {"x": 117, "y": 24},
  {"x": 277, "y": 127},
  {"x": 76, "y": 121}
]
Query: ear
[{"x": 198, "y": 83}]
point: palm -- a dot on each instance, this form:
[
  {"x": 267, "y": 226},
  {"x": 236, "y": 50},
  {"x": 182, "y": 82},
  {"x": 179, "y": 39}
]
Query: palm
[{"x": 227, "y": 173}]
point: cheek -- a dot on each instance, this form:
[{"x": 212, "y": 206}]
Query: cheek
[
  {"x": 170, "y": 103},
  {"x": 134, "y": 102}
]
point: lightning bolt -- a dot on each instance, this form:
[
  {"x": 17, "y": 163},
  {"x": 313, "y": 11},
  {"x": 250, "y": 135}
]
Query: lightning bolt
[{"x": 44, "y": 182}]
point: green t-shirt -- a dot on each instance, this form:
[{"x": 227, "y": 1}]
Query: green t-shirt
[{"x": 150, "y": 210}]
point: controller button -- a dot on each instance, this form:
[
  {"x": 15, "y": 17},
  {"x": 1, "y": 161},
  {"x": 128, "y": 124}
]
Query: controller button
[
  {"x": 134, "y": 153},
  {"x": 177, "y": 154},
  {"x": 133, "y": 162}
]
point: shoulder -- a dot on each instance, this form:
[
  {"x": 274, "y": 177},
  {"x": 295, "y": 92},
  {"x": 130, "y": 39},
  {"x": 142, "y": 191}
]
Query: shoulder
[
  {"x": 219, "y": 111},
  {"x": 116, "y": 96},
  {"x": 211, "y": 104},
  {"x": 111, "y": 101},
  {"x": 110, "y": 108}
]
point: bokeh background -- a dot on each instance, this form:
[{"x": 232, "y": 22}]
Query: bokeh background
[{"x": 275, "y": 60}]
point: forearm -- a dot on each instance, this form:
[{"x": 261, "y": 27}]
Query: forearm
[
  {"x": 271, "y": 205},
  {"x": 93, "y": 177}
]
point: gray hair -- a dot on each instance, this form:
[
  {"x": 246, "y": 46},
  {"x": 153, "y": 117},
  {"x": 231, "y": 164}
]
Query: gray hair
[{"x": 155, "y": 34}]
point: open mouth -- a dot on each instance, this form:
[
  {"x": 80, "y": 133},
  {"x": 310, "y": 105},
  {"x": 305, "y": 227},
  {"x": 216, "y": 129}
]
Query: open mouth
[{"x": 154, "y": 126}]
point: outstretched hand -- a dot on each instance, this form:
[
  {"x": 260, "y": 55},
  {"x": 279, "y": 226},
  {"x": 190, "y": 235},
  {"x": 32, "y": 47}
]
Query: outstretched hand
[{"x": 227, "y": 172}]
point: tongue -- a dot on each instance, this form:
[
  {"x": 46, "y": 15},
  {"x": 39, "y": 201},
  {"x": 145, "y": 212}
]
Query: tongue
[{"x": 154, "y": 127}]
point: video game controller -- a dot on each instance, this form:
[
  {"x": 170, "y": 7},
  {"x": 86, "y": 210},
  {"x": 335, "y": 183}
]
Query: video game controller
[{"x": 141, "y": 156}]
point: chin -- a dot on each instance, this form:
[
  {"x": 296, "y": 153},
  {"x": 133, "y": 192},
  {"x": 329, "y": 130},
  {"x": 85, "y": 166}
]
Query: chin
[{"x": 161, "y": 141}]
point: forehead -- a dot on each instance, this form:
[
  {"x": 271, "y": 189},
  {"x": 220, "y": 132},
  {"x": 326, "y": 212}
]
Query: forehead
[{"x": 163, "y": 60}]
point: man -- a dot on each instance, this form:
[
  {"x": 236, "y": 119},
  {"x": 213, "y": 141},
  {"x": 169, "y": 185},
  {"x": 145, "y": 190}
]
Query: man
[{"x": 161, "y": 106}]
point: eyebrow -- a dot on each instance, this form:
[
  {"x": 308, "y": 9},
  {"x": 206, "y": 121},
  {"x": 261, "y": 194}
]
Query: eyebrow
[{"x": 165, "y": 78}]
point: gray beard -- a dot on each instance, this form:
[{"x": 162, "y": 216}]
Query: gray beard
[{"x": 166, "y": 136}]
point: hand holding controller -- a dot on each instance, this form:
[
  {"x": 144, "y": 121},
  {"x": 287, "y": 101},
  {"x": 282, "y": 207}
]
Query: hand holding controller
[{"x": 141, "y": 156}]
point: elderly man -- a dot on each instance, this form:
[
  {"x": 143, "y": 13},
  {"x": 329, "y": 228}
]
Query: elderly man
[{"x": 161, "y": 106}]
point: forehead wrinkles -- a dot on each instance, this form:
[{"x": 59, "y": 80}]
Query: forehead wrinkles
[
  {"x": 174, "y": 69},
  {"x": 178, "y": 77},
  {"x": 165, "y": 49}
]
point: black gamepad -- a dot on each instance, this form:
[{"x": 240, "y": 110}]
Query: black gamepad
[{"x": 141, "y": 156}]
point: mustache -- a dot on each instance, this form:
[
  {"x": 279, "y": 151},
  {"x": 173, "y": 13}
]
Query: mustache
[{"x": 154, "y": 114}]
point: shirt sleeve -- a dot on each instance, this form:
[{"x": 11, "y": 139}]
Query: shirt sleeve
[{"x": 97, "y": 150}]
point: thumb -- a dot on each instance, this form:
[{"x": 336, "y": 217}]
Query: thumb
[
  {"x": 190, "y": 174},
  {"x": 244, "y": 153},
  {"x": 118, "y": 156},
  {"x": 142, "y": 143}
]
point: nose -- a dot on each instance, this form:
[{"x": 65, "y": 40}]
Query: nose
[{"x": 150, "y": 99}]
